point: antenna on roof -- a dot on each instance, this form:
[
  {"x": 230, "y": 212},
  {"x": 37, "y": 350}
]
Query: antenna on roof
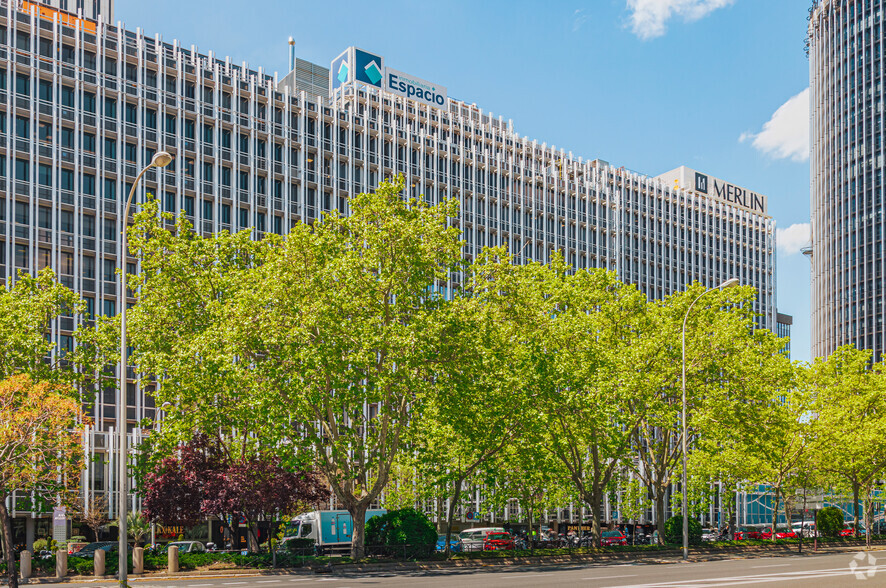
[{"x": 291, "y": 54}]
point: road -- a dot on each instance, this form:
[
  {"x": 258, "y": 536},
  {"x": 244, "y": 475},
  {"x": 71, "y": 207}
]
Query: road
[{"x": 818, "y": 571}]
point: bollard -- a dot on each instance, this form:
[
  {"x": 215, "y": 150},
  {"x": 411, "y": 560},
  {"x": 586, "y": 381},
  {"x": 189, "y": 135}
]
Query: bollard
[
  {"x": 61, "y": 563},
  {"x": 138, "y": 560},
  {"x": 172, "y": 553},
  {"x": 98, "y": 563},
  {"x": 24, "y": 565}
]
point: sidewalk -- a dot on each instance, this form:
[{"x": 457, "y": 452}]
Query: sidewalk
[{"x": 670, "y": 556}]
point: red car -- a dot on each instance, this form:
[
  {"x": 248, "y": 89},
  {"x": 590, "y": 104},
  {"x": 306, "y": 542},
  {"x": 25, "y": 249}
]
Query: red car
[
  {"x": 613, "y": 538},
  {"x": 748, "y": 533},
  {"x": 498, "y": 542},
  {"x": 766, "y": 533}
]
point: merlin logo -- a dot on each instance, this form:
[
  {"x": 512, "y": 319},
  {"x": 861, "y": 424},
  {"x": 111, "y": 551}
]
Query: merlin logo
[{"x": 701, "y": 183}]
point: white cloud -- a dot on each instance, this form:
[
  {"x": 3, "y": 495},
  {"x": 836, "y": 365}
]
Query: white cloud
[
  {"x": 579, "y": 18},
  {"x": 649, "y": 17},
  {"x": 793, "y": 238},
  {"x": 786, "y": 134}
]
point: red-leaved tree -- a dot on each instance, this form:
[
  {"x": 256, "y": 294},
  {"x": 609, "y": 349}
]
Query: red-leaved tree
[{"x": 203, "y": 481}]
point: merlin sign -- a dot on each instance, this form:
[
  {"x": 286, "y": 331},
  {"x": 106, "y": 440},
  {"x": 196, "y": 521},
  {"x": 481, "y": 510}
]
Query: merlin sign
[
  {"x": 356, "y": 65},
  {"x": 693, "y": 181}
]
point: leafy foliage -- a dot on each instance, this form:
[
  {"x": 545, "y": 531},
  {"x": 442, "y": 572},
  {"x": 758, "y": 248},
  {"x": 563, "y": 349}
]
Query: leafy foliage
[
  {"x": 674, "y": 531},
  {"x": 406, "y": 526},
  {"x": 829, "y": 521},
  {"x": 41, "y": 424},
  {"x": 202, "y": 481}
]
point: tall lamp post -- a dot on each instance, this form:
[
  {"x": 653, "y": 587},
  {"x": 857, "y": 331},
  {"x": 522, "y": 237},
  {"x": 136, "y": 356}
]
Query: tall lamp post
[
  {"x": 731, "y": 282},
  {"x": 161, "y": 159}
]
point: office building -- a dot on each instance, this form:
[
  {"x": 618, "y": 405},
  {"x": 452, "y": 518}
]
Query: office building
[
  {"x": 846, "y": 39},
  {"x": 85, "y": 105}
]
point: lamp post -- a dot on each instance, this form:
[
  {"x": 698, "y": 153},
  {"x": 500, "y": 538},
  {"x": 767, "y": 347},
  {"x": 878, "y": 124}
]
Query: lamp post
[
  {"x": 161, "y": 159},
  {"x": 731, "y": 282}
]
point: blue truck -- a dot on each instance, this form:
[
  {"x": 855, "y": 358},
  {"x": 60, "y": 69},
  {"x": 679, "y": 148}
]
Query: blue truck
[{"x": 331, "y": 530}]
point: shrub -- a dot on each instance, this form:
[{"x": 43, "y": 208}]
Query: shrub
[
  {"x": 674, "y": 531},
  {"x": 81, "y": 566},
  {"x": 405, "y": 526},
  {"x": 47, "y": 566},
  {"x": 40, "y": 545},
  {"x": 829, "y": 521}
]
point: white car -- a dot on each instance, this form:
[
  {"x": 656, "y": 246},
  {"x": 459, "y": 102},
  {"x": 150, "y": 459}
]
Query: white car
[
  {"x": 472, "y": 539},
  {"x": 187, "y": 546},
  {"x": 807, "y": 527}
]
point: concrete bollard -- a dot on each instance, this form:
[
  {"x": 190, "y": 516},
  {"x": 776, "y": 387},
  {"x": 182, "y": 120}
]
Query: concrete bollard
[
  {"x": 61, "y": 563},
  {"x": 138, "y": 560},
  {"x": 24, "y": 565},
  {"x": 173, "y": 559},
  {"x": 98, "y": 563}
]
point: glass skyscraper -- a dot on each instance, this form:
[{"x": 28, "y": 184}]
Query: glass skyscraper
[{"x": 846, "y": 74}]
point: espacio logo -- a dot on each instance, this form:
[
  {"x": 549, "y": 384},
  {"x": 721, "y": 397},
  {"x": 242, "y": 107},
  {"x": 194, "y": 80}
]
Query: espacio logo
[{"x": 367, "y": 68}]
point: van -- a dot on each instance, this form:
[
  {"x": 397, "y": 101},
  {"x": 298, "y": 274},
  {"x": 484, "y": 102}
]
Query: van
[{"x": 472, "y": 539}]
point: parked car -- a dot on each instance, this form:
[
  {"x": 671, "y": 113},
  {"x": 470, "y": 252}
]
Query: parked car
[
  {"x": 186, "y": 546},
  {"x": 472, "y": 539},
  {"x": 808, "y": 528},
  {"x": 710, "y": 534},
  {"x": 613, "y": 538},
  {"x": 780, "y": 533},
  {"x": 454, "y": 543},
  {"x": 849, "y": 531},
  {"x": 879, "y": 528},
  {"x": 89, "y": 549},
  {"x": 497, "y": 541},
  {"x": 74, "y": 547},
  {"x": 748, "y": 533}
]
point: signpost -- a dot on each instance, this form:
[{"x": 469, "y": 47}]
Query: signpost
[{"x": 59, "y": 523}]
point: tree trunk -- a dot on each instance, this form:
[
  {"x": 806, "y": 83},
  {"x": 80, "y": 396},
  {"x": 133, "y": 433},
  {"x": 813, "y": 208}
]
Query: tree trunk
[
  {"x": 855, "y": 503},
  {"x": 251, "y": 536},
  {"x": 775, "y": 504},
  {"x": 660, "y": 515},
  {"x": 357, "y": 510},
  {"x": 594, "y": 499},
  {"x": 868, "y": 517},
  {"x": 8, "y": 547},
  {"x": 453, "y": 503}
]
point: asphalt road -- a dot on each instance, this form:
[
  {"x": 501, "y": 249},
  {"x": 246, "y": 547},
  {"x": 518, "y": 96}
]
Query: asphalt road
[{"x": 818, "y": 571}]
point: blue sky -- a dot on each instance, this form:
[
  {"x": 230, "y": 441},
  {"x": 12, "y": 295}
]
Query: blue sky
[{"x": 717, "y": 85}]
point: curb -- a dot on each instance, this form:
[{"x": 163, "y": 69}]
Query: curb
[{"x": 669, "y": 556}]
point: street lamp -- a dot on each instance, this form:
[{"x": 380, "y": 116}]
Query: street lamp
[
  {"x": 731, "y": 282},
  {"x": 161, "y": 159}
]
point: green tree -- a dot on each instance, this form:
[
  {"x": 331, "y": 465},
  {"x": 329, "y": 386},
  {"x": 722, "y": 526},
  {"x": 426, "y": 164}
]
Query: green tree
[
  {"x": 479, "y": 404},
  {"x": 849, "y": 408},
  {"x": 587, "y": 384},
  {"x": 137, "y": 526},
  {"x": 527, "y": 473},
  {"x": 341, "y": 325},
  {"x": 732, "y": 369},
  {"x": 634, "y": 501},
  {"x": 27, "y": 309},
  {"x": 182, "y": 333}
]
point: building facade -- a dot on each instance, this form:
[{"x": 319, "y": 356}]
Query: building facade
[
  {"x": 85, "y": 105},
  {"x": 846, "y": 74}
]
